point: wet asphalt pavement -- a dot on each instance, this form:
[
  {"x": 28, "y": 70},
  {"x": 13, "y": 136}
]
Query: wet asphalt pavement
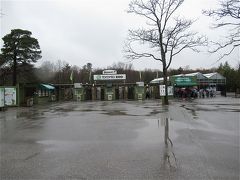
[{"x": 122, "y": 140}]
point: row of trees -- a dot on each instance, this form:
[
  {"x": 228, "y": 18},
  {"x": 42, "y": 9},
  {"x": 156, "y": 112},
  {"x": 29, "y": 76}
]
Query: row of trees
[{"x": 60, "y": 72}]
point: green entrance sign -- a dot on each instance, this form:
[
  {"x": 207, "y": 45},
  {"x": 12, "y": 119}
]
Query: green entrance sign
[{"x": 184, "y": 81}]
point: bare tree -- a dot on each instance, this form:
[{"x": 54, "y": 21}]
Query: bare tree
[
  {"x": 46, "y": 71},
  {"x": 165, "y": 34},
  {"x": 227, "y": 16}
]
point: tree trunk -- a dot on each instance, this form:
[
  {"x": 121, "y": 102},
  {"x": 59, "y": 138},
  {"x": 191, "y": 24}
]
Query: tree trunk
[
  {"x": 166, "y": 136},
  {"x": 165, "y": 82},
  {"x": 14, "y": 82}
]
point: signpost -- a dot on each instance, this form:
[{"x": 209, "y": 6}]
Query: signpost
[
  {"x": 140, "y": 84},
  {"x": 77, "y": 85},
  {"x": 170, "y": 90},
  {"x": 163, "y": 92},
  {"x": 109, "y": 75}
]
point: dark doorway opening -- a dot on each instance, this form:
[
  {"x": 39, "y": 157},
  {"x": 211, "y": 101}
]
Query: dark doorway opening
[
  {"x": 131, "y": 92},
  {"x": 117, "y": 93},
  {"x": 102, "y": 94},
  {"x": 88, "y": 93}
]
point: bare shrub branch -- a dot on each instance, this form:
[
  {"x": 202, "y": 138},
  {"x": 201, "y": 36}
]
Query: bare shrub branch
[{"x": 228, "y": 17}]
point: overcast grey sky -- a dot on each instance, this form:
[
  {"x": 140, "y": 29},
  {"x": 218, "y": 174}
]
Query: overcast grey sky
[{"x": 81, "y": 31}]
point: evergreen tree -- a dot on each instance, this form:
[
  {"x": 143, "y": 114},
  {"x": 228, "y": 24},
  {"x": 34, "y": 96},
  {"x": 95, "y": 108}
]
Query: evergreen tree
[
  {"x": 231, "y": 76},
  {"x": 18, "y": 48}
]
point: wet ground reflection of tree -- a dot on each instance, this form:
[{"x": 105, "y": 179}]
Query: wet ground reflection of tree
[{"x": 169, "y": 157}]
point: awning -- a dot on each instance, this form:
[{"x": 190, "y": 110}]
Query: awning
[
  {"x": 47, "y": 86},
  {"x": 158, "y": 80}
]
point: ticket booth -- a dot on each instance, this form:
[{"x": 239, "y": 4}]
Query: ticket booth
[
  {"x": 119, "y": 92},
  {"x": 110, "y": 92},
  {"x": 139, "y": 91},
  {"x": 78, "y": 92}
]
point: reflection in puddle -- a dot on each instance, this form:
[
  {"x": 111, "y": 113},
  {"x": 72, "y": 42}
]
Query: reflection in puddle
[
  {"x": 32, "y": 114},
  {"x": 55, "y": 145},
  {"x": 160, "y": 128},
  {"x": 169, "y": 158},
  {"x": 115, "y": 113},
  {"x": 192, "y": 110}
]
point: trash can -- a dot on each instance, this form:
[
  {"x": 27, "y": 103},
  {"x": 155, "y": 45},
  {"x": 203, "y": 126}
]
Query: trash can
[
  {"x": 53, "y": 98},
  {"x": 30, "y": 102}
]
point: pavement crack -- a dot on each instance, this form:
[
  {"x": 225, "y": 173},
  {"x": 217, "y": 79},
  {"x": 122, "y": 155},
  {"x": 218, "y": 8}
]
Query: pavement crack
[{"x": 32, "y": 156}]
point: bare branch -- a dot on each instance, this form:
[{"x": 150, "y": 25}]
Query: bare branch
[
  {"x": 172, "y": 7},
  {"x": 139, "y": 8},
  {"x": 226, "y": 24},
  {"x": 233, "y": 42},
  {"x": 171, "y": 57},
  {"x": 228, "y": 8},
  {"x": 144, "y": 36},
  {"x": 167, "y": 38},
  {"x": 131, "y": 54}
]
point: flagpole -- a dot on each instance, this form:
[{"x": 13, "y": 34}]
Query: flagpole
[{"x": 71, "y": 77}]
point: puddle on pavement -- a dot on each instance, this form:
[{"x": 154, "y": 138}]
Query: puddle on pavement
[
  {"x": 115, "y": 113},
  {"x": 151, "y": 134},
  {"x": 30, "y": 114},
  {"x": 217, "y": 108},
  {"x": 155, "y": 112},
  {"x": 191, "y": 110},
  {"x": 62, "y": 109},
  {"x": 222, "y": 104},
  {"x": 54, "y": 145},
  {"x": 155, "y": 130}
]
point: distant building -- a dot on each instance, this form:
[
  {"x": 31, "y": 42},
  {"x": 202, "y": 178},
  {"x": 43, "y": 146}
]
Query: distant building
[{"x": 195, "y": 79}]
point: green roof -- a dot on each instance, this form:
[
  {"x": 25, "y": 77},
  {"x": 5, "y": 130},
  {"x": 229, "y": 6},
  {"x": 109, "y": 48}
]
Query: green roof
[{"x": 47, "y": 86}]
